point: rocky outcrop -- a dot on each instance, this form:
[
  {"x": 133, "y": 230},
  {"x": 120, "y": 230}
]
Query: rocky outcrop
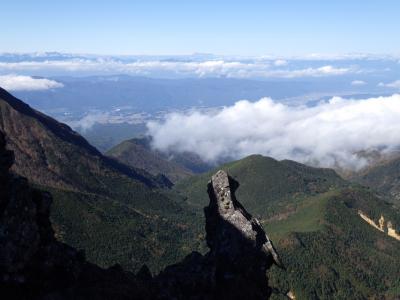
[
  {"x": 34, "y": 265},
  {"x": 391, "y": 231},
  {"x": 371, "y": 222},
  {"x": 240, "y": 253}
]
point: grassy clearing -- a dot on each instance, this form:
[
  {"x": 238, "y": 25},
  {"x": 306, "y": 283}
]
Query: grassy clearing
[{"x": 308, "y": 217}]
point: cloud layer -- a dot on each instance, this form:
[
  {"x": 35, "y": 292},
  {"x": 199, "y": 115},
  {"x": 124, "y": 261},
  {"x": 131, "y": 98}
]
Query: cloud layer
[
  {"x": 172, "y": 69},
  {"x": 27, "y": 83},
  {"x": 329, "y": 134}
]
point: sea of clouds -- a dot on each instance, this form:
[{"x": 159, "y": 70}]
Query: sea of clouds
[
  {"x": 330, "y": 134},
  {"x": 197, "y": 65},
  {"x": 209, "y": 68},
  {"x": 17, "y": 69}
]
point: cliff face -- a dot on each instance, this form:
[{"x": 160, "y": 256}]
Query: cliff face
[{"x": 33, "y": 265}]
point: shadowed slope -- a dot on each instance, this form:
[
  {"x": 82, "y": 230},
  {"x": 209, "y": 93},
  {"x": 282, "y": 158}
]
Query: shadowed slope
[{"x": 114, "y": 212}]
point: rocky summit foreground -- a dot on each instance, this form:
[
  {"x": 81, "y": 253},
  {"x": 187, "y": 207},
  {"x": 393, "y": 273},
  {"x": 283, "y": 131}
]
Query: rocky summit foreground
[
  {"x": 34, "y": 265},
  {"x": 240, "y": 253}
]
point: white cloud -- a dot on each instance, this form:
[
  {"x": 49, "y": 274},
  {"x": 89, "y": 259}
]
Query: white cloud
[
  {"x": 312, "y": 72},
  {"x": 27, "y": 83},
  {"x": 358, "y": 82},
  {"x": 88, "y": 121},
  {"x": 329, "y": 134},
  {"x": 208, "y": 68},
  {"x": 393, "y": 85},
  {"x": 280, "y": 62}
]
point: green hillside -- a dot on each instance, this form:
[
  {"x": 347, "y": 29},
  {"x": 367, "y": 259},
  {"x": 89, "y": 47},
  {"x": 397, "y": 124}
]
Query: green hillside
[
  {"x": 312, "y": 217},
  {"x": 338, "y": 255},
  {"x": 267, "y": 186},
  {"x": 130, "y": 233}
]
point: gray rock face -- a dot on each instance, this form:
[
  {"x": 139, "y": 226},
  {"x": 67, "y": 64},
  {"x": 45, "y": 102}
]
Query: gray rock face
[
  {"x": 240, "y": 253},
  {"x": 231, "y": 230}
]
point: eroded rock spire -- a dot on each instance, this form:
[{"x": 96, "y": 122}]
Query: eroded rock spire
[
  {"x": 231, "y": 230},
  {"x": 240, "y": 253}
]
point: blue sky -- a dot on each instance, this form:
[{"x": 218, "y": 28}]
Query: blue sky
[{"x": 183, "y": 27}]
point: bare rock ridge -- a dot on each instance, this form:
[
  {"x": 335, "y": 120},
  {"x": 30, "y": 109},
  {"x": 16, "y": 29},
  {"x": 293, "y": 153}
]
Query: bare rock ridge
[
  {"x": 34, "y": 265},
  {"x": 240, "y": 253},
  {"x": 225, "y": 217}
]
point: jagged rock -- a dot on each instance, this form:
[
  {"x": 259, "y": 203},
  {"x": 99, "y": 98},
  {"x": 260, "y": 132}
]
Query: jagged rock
[
  {"x": 231, "y": 230},
  {"x": 240, "y": 253}
]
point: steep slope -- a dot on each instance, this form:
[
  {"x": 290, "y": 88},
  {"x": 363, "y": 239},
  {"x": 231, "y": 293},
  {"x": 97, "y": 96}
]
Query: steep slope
[
  {"x": 114, "y": 212},
  {"x": 138, "y": 153},
  {"x": 314, "y": 218},
  {"x": 52, "y": 154},
  {"x": 34, "y": 265}
]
